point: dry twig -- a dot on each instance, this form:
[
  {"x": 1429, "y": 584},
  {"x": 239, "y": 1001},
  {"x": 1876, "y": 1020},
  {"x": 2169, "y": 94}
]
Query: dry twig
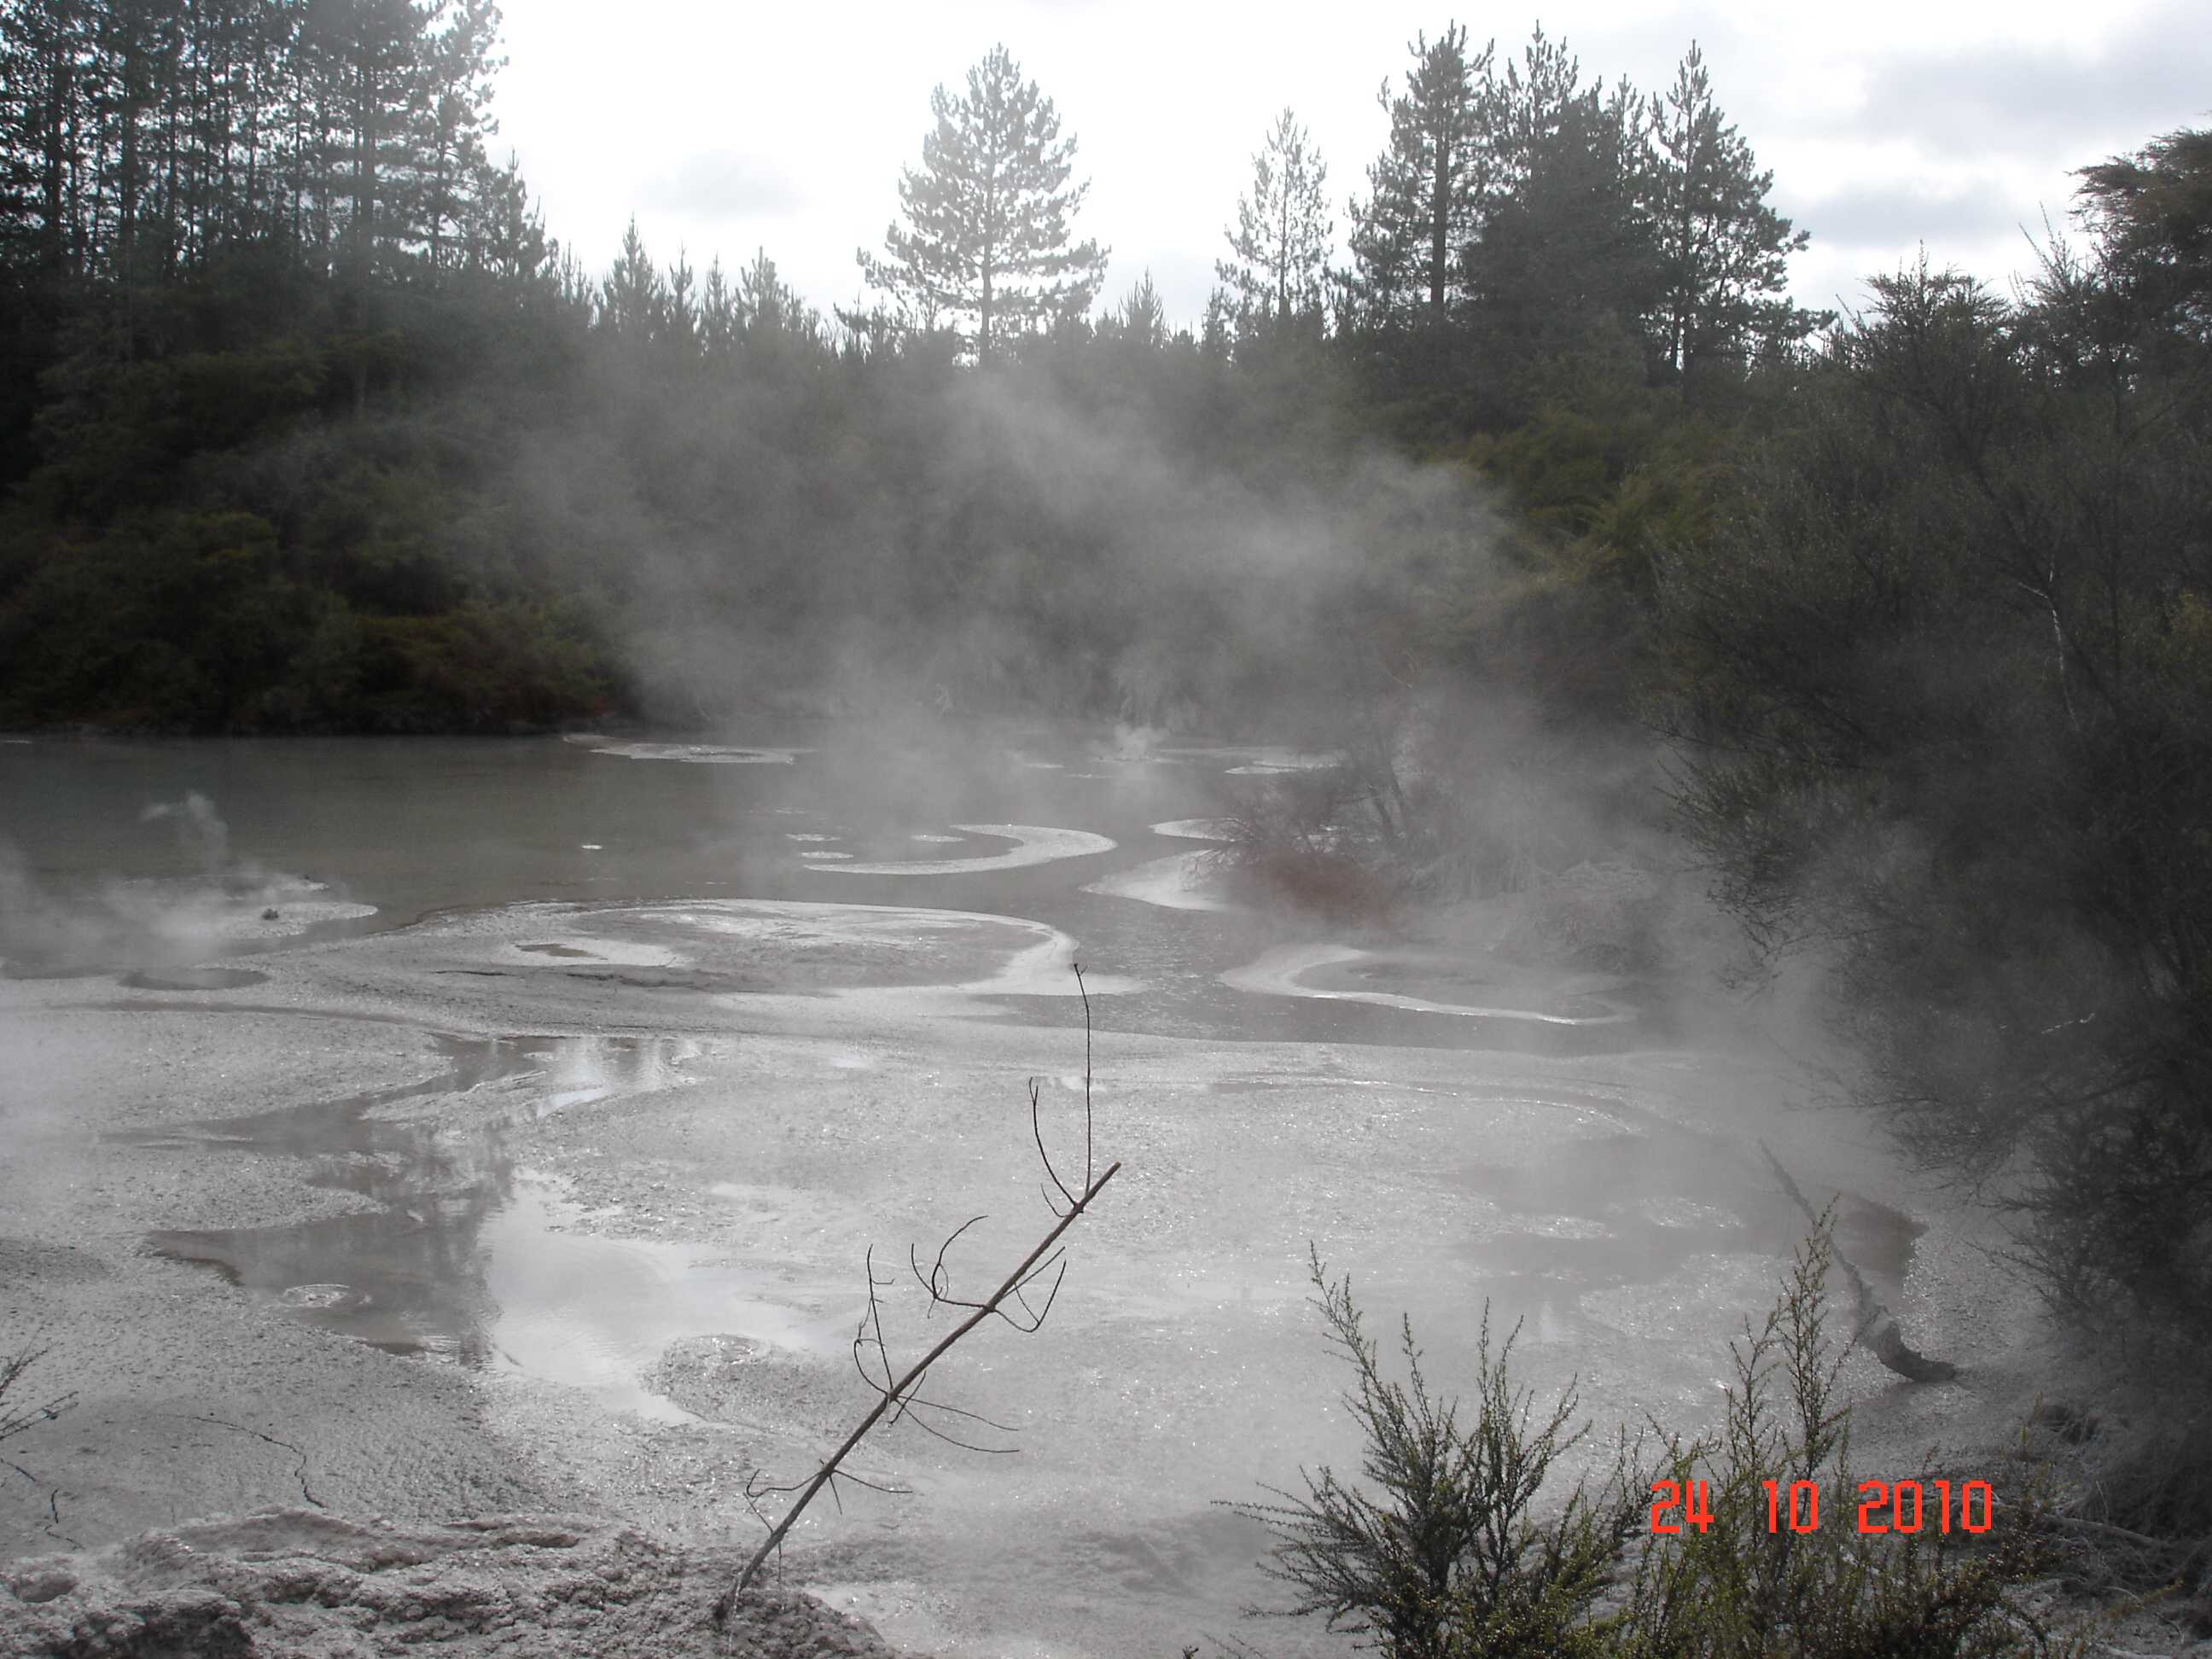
[
  {"x": 14, "y": 1420},
  {"x": 898, "y": 1394}
]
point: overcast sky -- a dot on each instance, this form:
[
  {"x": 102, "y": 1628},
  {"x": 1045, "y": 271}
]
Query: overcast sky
[{"x": 727, "y": 125}]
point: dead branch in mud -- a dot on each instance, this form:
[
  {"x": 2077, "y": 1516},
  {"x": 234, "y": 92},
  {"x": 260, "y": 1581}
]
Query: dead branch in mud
[
  {"x": 898, "y": 1395},
  {"x": 1877, "y": 1327},
  {"x": 13, "y": 1419}
]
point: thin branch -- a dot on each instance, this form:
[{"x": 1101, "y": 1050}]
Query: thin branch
[
  {"x": 899, "y": 1389},
  {"x": 898, "y": 1395},
  {"x": 938, "y": 1277},
  {"x": 1036, "y": 1130}
]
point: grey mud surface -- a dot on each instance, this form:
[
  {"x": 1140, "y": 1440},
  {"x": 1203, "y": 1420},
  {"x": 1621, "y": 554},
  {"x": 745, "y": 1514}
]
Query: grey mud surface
[
  {"x": 557, "y": 1209},
  {"x": 308, "y": 1585}
]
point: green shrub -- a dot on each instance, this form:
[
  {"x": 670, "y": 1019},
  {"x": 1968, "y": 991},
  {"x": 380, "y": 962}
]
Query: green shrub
[
  {"x": 1449, "y": 1557},
  {"x": 1735, "y": 1588},
  {"x": 1452, "y": 1550}
]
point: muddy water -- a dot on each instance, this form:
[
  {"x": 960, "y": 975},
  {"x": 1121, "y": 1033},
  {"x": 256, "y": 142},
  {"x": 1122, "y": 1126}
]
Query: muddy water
[
  {"x": 416, "y": 1270},
  {"x": 708, "y": 1018}
]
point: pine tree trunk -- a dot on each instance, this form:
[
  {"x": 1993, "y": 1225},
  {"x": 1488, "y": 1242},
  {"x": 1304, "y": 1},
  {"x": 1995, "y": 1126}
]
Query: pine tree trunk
[
  {"x": 53, "y": 181},
  {"x": 1439, "y": 228}
]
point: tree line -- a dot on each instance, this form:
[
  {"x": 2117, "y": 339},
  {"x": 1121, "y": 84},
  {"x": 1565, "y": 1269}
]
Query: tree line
[
  {"x": 286, "y": 350},
  {"x": 143, "y": 137},
  {"x": 1516, "y": 212}
]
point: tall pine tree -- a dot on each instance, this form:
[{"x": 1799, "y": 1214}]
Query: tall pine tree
[
  {"x": 1277, "y": 280},
  {"x": 1565, "y": 263},
  {"x": 988, "y": 232},
  {"x": 1431, "y": 190},
  {"x": 1724, "y": 252}
]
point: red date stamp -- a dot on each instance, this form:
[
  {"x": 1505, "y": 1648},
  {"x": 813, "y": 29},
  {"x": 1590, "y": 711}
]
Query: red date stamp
[{"x": 1899, "y": 1506}]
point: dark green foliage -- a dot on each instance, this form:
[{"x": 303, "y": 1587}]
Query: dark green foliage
[
  {"x": 144, "y": 140},
  {"x": 2152, "y": 215},
  {"x": 329, "y": 312},
  {"x": 1944, "y": 664},
  {"x": 483, "y": 666},
  {"x": 1567, "y": 258},
  {"x": 1431, "y": 190},
  {"x": 1723, "y": 252},
  {"x": 1454, "y": 1550},
  {"x": 1444, "y": 1551},
  {"x": 1736, "y": 1590}
]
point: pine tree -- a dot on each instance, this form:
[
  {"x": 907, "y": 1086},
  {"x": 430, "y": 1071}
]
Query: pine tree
[
  {"x": 988, "y": 215},
  {"x": 720, "y": 325},
  {"x": 1141, "y": 319},
  {"x": 1724, "y": 252},
  {"x": 770, "y": 312},
  {"x": 680, "y": 312},
  {"x": 374, "y": 50},
  {"x": 633, "y": 300},
  {"x": 48, "y": 63},
  {"x": 451, "y": 118},
  {"x": 1564, "y": 263},
  {"x": 1431, "y": 190},
  {"x": 1277, "y": 280},
  {"x": 505, "y": 231}
]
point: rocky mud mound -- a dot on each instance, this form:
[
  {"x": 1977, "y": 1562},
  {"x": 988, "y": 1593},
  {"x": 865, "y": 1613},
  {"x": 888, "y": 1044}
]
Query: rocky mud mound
[{"x": 306, "y": 1585}]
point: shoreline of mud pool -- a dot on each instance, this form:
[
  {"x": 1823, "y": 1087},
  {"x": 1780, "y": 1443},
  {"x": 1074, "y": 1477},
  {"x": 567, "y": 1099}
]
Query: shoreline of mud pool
[{"x": 564, "y": 1208}]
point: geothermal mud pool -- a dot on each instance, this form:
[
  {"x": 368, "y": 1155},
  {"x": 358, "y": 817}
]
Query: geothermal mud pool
[{"x": 556, "y": 1192}]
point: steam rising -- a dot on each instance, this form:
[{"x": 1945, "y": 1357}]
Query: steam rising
[{"x": 119, "y": 924}]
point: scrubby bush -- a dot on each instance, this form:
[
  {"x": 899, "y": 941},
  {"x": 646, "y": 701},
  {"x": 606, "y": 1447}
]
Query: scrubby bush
[
  {"x": 1297, "y": 840},
  {"x": 1736, "y": 1589},
  {"x": 1448, "y": 1555},
  {"x": 1453, "y": 1550},
  {"x": 1946, "y": 712}
]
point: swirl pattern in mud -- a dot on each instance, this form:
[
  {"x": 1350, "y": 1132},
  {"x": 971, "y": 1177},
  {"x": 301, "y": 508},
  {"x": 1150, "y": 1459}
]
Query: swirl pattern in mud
[
  {"x": 1033, "y": 844},
  {"x": 757, "y": 945},
  {"x": 1194, "y": 829},
  {"x": 696, "y": 754},
  {"x": 1344, "y": 973},
  {"x": 1181, "y": 881}
]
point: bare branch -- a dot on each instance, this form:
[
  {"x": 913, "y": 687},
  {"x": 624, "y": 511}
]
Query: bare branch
[
  {"x": 938, "y": 1277},
  {"x": 898, "y": 1394},
  {"x": 14, "y": 1421},
  {"x": 1083, "y": 991},
  {"x": 1036, "y": 1129}
]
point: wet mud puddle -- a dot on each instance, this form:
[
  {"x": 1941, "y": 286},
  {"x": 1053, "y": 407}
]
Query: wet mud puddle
[{"x": 467, "y": 1255}]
